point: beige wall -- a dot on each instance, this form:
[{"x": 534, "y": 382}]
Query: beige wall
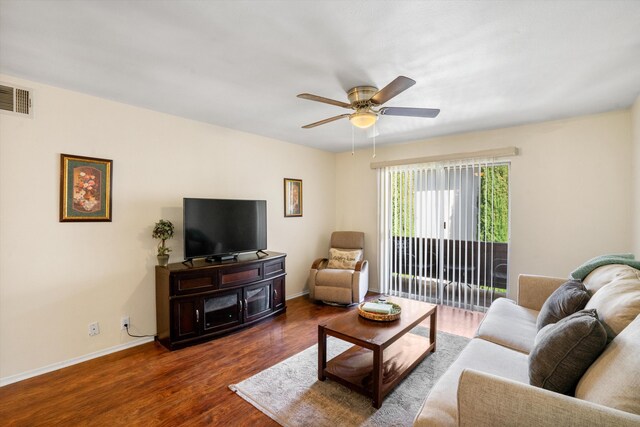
[
  {"x": 635, "y": 129},
  {"x": 56, "y": 278},
  {"x": 570, "y": 201},
  {"x": 570, "y": 188}
]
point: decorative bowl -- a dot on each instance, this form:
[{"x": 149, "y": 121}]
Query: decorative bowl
[{"x": 380, "y": 317}]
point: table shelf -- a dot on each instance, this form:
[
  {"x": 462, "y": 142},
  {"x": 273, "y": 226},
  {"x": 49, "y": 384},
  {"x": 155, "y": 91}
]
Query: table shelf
[{"x": 355, "y": 365}]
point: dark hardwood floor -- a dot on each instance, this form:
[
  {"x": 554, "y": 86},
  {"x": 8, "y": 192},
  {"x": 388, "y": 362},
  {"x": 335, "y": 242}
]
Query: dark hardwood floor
[{"x": 149, "y": 385}]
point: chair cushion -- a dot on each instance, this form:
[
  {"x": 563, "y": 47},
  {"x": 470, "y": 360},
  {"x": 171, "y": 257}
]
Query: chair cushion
[
  {"x": 563, "y": 351},
  {"x": 344, "y": 259},
  {"x": 332, "y": 294},
  {"x": 613, "y": 379},
  {"x": 618, "y": 301},
  {"x": 564, "y": 301},
  {"x": 334, "y": 278},
  {"x": 347, "y": 239},
  {"x": 510, "y": 325}
]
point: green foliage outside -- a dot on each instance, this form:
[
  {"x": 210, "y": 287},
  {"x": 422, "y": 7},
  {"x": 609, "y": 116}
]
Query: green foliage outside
[
  {"x": 403, "y": 204},
  {"x": 494, "y": 204},
  {"x": 493, "y": 224}
]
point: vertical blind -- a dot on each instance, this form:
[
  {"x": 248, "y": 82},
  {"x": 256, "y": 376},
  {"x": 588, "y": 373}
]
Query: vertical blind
[{"x": 443, "y": 231}]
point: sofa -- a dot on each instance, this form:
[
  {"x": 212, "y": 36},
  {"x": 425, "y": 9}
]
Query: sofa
[{"x": 489, "y": 383}]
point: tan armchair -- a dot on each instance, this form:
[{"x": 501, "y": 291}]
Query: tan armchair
[{"x": 344, "y": 277}]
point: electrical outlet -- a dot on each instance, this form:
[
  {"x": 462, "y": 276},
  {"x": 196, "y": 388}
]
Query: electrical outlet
[
  {"x": 124, "y": 323},
  {"x": 94, "y": 329}
]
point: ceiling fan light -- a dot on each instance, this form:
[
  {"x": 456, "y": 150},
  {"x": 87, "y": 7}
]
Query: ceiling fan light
[{"x": 363, "y": 119}]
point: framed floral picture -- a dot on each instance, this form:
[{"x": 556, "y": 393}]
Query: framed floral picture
[
  {"x": 85, "y": 188},
  {"x": 292, "y": 197}
]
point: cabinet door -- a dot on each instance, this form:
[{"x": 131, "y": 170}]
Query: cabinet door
[
  {"x": 278, "y": 293},
  {"x": 257, "y": 301},
  {"x": 222, "y": 310},
  {"x": 186, "y": 318}
]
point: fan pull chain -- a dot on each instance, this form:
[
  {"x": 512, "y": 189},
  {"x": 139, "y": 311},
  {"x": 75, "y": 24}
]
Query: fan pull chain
[
  {"x": 374, "y": 140},
  {"x": 353, "y": 137}
]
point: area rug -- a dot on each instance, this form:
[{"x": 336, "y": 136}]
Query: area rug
[{"x": 291, "y": 394}]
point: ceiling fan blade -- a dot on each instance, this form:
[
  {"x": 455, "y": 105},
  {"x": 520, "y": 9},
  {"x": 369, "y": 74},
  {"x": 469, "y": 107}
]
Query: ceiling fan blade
[
  {"x": 399, "y": 85},
  {"x": 321, "y": 122},
  {"x": 410, "y": 112},
  {"x": 317, "y": 98}
]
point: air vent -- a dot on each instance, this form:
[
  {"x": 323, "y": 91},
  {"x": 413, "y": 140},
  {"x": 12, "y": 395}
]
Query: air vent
[{"x": 15, "y": 100}]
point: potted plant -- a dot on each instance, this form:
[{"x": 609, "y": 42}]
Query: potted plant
[{"x": 163, "y": 230}]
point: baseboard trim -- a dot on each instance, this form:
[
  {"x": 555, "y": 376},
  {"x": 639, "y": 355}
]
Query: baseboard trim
[
  {"x": 59, "y": 365},
  {"x": 297, "y": 295},
  {"x": 55, "y": 366}
]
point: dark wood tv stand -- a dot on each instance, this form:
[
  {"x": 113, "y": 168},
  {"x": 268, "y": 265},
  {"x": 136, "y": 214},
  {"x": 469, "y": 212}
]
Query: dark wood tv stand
[{"x": 201, "y": 300}]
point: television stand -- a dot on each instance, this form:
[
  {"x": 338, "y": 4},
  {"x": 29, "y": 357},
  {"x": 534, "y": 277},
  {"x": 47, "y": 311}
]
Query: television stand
[{"x": 206, "y": 300}]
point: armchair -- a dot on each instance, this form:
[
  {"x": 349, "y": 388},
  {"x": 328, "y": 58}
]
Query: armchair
[{"x": 344, "y": 277}]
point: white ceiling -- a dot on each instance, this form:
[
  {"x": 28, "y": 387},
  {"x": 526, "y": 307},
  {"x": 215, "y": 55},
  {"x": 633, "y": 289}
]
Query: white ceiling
[{"x": 240, "y": 64}]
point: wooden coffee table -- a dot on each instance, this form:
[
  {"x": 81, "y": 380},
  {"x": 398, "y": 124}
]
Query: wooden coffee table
[{"x": 383, "y": 354}]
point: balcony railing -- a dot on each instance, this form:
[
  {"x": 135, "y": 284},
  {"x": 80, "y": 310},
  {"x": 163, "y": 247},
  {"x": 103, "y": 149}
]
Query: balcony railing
[{"x": 463, "y": 273}]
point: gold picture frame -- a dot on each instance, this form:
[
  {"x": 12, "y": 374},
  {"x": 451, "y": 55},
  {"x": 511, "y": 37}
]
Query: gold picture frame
[
  {"x": 292, "y": 197},
  {"x": 85, "y": 189}
]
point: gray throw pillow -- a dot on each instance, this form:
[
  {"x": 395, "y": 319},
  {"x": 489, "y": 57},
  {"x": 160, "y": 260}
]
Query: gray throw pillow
[
  {"x": 564, "y": 301},
  {"x": 563, "y": 351}
]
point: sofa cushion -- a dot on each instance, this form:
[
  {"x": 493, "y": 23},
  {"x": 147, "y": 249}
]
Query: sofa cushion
[
  {"x": 609, "y": 259},
  {"x": 344, "y": 259},
  {"x": 564, "y": 301},
  {"x": 510, "y": 325},
  {"x": 614, "y": 378},
  {"x": 440, "y": 407},
  {"x": 618, "y": 301},
  {"x": 563, "y": 351},
  {"x": 606, "y": 274}
]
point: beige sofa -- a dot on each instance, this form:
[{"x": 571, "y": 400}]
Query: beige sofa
[{"x": 488, "y": 385}]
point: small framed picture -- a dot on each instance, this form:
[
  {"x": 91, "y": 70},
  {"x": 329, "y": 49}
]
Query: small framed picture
[
  {"x": 292, "y": 197},
  {"x": 85, "y": 188}
]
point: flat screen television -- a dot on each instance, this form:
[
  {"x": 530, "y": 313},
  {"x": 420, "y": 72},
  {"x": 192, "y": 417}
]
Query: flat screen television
[{"x": 220, "y": 228}]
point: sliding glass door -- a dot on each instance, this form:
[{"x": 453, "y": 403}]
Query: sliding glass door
[{"x": 444, "y": 232}]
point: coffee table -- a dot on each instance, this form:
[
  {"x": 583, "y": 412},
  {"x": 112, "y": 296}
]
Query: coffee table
[{"x": 383, "y": 354}]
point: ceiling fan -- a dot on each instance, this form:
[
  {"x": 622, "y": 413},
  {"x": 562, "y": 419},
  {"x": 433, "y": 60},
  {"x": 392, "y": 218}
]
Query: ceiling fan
[{"x": 365, "y": 100}]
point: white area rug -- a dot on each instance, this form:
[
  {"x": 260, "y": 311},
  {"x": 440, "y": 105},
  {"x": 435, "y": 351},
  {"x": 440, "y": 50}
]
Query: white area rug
[{"x": 291, "y": 394}]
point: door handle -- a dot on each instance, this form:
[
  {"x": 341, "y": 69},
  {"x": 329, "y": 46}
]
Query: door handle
[
  {"x": 197, "y": 316},
  {"x": 275, "y": 294},
  {"x": 240, "y": 301}
]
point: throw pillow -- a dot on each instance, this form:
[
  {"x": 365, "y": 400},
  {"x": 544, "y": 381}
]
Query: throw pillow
[
  {"x": 613, "y": 379},
  {"x": 344, "y": 259},
  {"x": 617, "y": 302},
  {"x": 563, "y": 351},
  {"x": 564, "y": 301}
]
